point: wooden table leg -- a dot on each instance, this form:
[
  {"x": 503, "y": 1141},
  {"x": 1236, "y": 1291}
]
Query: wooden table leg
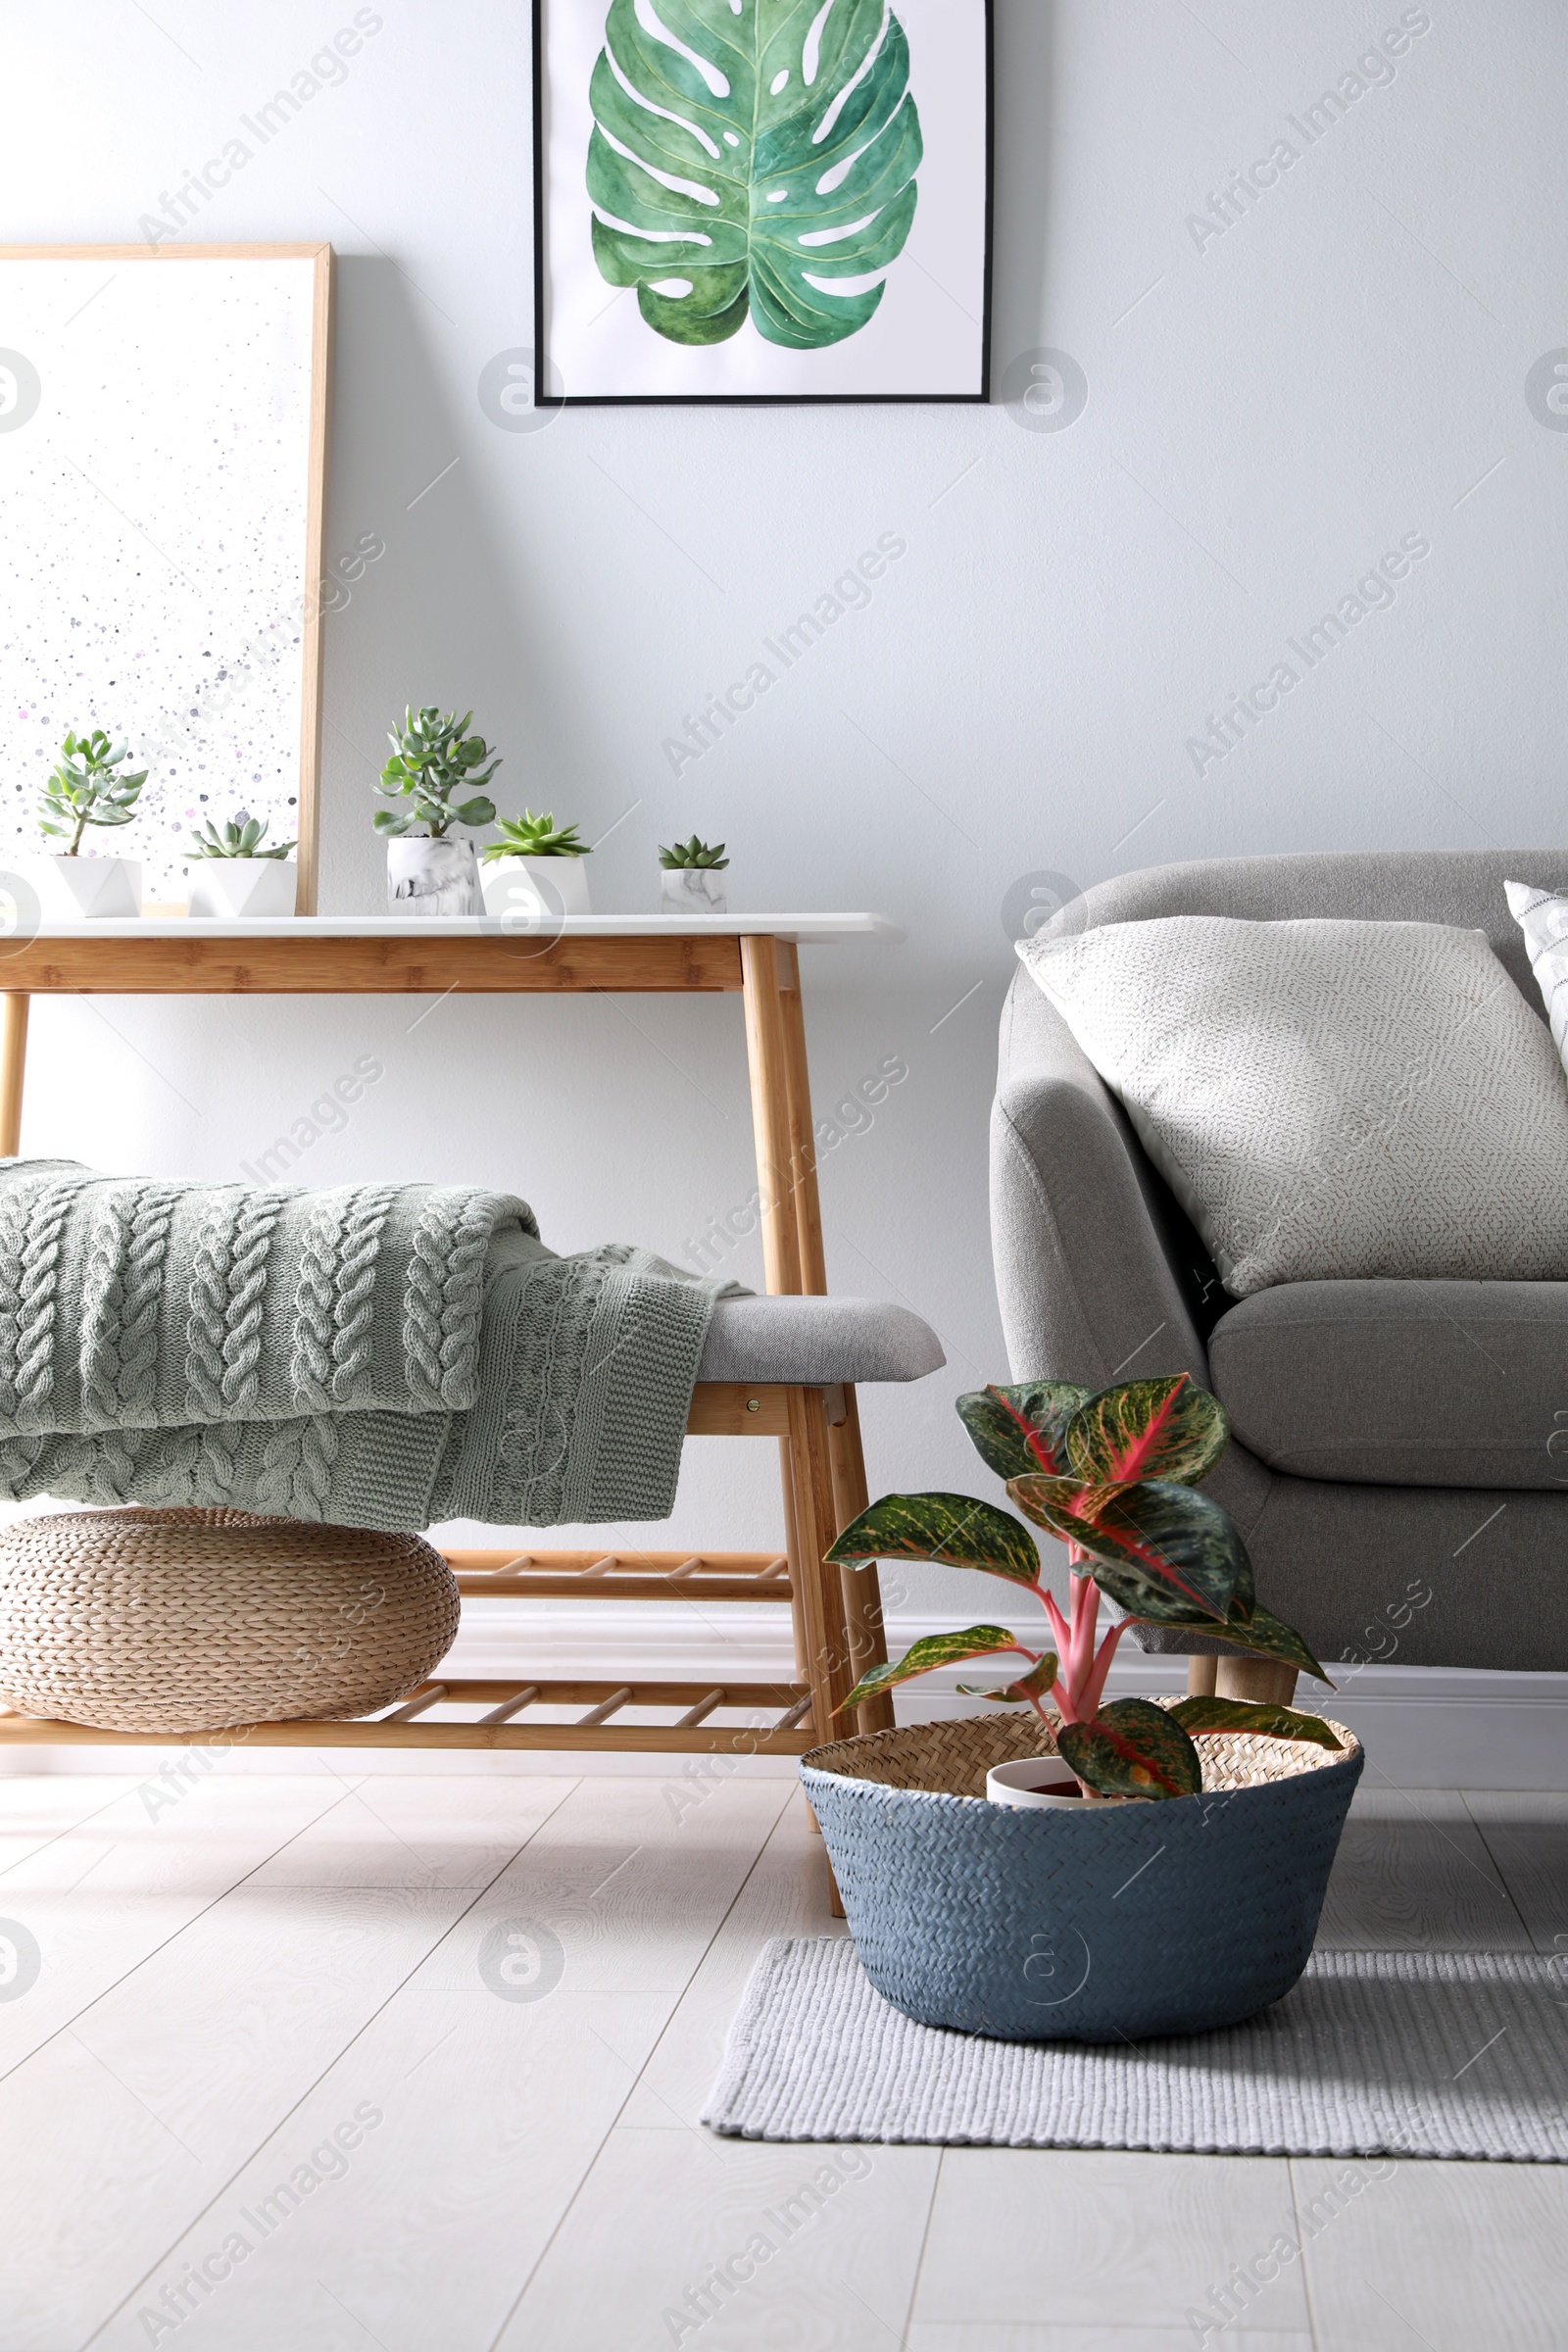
[
  {"x": 13, "y": 1069},
  {"x": 862, "y": 1598}
]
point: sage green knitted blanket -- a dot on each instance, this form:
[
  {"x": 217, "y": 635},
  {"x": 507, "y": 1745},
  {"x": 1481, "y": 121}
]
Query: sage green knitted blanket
[{"x": 377, "y": 1356}]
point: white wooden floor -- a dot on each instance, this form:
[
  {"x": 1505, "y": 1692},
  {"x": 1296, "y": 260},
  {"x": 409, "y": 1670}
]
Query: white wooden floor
[{"x": 272, "y": 2086}]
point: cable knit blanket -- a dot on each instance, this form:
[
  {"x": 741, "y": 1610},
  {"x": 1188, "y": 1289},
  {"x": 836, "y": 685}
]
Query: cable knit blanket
[{"x": 377, "y": 1356}]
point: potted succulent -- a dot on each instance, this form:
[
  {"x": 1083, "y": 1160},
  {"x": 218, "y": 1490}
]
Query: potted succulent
[
  {"x": 89, "y": 788},
  {"x": 1191, "y": 1897},
  {"x": 434, "y": 760},
  {"x": 235, "y": 877},
  {"x": 535, "y": 870},
  {"x": 688, "y": 880}
]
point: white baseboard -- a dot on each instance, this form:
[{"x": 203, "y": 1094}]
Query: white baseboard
[{"x": 1424, "y": 1726}]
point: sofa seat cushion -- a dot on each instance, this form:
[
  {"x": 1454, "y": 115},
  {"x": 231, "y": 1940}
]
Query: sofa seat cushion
[{"x": 1416, "y": 1384}]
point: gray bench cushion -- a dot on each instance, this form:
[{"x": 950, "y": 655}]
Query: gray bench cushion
[
  {"x": 817, "y": 1341},
  {"x": 1429, "y": 1383}
]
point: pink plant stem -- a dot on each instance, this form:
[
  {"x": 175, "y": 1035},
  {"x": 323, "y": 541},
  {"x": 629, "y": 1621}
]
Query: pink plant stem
[{"x": 1095, "y": 1688}]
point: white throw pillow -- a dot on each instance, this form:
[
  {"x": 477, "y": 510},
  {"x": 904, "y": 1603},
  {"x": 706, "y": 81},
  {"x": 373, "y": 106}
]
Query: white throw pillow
[
  {"x": 1329, "y": 1100},
  {"x": 1543, "y": 916}
]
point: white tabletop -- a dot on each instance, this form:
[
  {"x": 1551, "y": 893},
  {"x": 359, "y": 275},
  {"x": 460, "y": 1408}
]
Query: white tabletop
[{"x": 806, "y": 929}]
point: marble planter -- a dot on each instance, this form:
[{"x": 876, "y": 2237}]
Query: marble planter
[
  {"x": 426, "y": 877},
  {"x": 692, "y": 889}
]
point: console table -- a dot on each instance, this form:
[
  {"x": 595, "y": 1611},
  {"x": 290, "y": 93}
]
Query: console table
[{"x": 836, "y": 1615}]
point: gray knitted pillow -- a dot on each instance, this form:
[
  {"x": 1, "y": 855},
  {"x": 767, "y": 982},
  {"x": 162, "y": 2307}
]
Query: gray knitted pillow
[{"x": 1329, "y": 1100}]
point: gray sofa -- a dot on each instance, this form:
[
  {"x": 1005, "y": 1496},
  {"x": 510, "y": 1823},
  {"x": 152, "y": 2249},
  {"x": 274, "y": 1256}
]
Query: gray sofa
[{"x": 1398, "y": 1466}]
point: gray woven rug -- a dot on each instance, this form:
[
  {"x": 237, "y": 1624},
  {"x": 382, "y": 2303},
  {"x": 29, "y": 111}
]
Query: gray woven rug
[{"x": 1372, "y": 2054}]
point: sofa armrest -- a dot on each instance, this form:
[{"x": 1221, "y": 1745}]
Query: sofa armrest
[{"x": 1087, "y": 1290}]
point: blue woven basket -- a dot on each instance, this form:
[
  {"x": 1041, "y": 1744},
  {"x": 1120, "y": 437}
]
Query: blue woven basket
[{"x": 1116, "y": 1922}]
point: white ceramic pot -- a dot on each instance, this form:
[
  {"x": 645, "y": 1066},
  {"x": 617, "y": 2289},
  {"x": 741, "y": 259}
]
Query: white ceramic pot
[
  {"x": 71, "y": 888},
  {"x": 432, "y": 877},
  {"x": 1034, "y": 1784},
  {"x": 692, "y": 889},
  {"x": 536, "y": 890},
  {"x": 235, "y": 889}
]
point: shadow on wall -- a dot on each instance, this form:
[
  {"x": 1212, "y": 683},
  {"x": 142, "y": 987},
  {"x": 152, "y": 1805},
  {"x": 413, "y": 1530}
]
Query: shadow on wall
[
  {"x": 1020, "y": 307},
  {"x": 446, "y": 615}
]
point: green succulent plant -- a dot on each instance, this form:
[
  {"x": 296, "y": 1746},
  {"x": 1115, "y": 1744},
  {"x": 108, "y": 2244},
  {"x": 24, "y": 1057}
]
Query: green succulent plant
[
  {"x": 433, "y": 758},
  {"x": 530, "y": 836},
  {"x": 85, "y": 789},
  {"x": 242, "y": 837},
  {"x": 710, "y": 856}
]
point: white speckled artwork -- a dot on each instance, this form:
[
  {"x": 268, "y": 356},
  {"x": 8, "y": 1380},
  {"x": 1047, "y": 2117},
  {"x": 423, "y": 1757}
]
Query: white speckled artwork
[{"x": 154, "y": 470}]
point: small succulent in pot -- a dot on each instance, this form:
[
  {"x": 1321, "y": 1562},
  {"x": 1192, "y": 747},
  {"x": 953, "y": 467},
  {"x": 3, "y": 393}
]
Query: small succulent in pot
[
  {"x": 85, "y": 789},
  {"x": 1111, "y": 1473},
  {"x": 535, "y": 876},
  {"x": 434, "y": 760},
  {"x": 241, "y": 837},
  {"x": 688, "y": 877},
  {"x": 233, "y": 878}
]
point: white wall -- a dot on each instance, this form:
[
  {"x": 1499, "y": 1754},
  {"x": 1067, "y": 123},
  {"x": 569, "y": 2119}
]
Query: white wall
[{"x": 1267, "y": 413}]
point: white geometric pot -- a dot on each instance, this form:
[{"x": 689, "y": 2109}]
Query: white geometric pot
[
  {"x": 535, "y": 890},
  {"x": 69, "y": 889},
  {"x": 237, "y": 888},
  {"x": 692, "y": 889},
  {"x": 432, "y": 877}
]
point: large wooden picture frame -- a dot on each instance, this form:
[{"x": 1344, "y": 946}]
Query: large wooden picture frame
[{"x": 163, "y": 474}]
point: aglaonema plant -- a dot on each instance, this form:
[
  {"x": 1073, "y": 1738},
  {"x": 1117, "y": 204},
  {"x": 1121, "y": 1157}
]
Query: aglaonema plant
[{"x": 1113, "y": 1475}]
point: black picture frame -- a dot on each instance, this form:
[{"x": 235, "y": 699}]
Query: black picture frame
[{"x": 746, "y": 400}]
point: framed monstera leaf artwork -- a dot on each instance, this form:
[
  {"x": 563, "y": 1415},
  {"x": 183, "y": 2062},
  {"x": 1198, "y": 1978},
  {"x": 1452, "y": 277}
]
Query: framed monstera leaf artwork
[{"x": 761, "y": 200}]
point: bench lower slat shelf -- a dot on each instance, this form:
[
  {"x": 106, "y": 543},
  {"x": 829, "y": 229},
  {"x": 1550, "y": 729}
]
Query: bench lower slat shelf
[
  {"x": 783, "y": 1735},
  {"x": 622, "y": 1575}
]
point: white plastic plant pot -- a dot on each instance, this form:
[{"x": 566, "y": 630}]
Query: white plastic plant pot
[
  {"x": 692, "y": 889},
  {"x": 426, "y": 877},
  {"x": 238, "y": 890},
  {"x": 535, "y": 890},
  {"x": 1034, "y": 1784},
  {"x": 73, "y": 889}
]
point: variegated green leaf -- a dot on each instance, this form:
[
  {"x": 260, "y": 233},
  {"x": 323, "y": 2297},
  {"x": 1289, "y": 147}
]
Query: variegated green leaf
[
  {"x": 1146, "y": 1429},
  {"x": 753, "y": 156},
  {"x": 1158, "y": 1549},
  {"x": 1019, "y": 1430},
  {"x": 952, "y": 1529},
  {"x": 934, "y": 1649},
  {"x": 1239, "y": 1715},
  {"x": 1261, "y": 1636},
  {"x": 1132, "y": 1748},
  {"x": 1033, "y": 1685}
]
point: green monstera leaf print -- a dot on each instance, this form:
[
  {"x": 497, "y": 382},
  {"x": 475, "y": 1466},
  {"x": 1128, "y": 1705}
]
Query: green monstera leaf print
[{"x": 753, "y": 156}]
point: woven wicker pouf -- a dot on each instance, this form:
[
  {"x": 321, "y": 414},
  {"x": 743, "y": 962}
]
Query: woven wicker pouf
[{"x": 192, "y": 1620}]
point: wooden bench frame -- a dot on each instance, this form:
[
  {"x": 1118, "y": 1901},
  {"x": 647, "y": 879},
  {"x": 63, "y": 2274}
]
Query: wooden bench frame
[{"x": 836, "y": 1615}]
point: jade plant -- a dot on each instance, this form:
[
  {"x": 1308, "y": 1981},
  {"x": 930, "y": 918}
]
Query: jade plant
[
  {"x": 241, "y": 837},
  {"x": 709, "y": 857},
  {"x": 530, "y": 836},
  {"x": 1113, "y": 1475},
  {"x": 86, "y": 790},
  {"x": 433, "y": 759}
]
